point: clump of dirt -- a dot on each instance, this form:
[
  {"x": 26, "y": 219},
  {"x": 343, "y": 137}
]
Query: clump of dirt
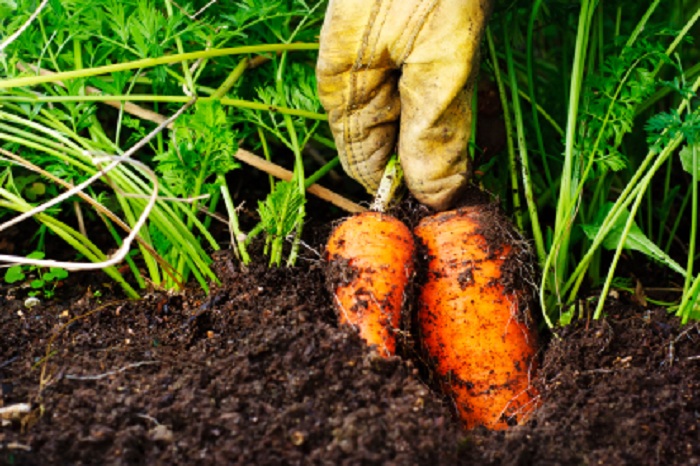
[
  {"x": 257, "y": 373},
  {"x": 260, "y": 373}
]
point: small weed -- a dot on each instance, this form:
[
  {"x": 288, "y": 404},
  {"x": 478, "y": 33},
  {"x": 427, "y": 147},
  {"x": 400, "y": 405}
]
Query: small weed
[{"x": 43, "y": 281}]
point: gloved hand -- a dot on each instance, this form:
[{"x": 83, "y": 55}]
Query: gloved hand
[{"x": 389, "y": 67}]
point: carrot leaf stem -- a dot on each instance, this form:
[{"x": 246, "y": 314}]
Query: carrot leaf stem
[
  {"x": 390, "y": 182},
  {"x": 524, "y": 155},
  {"x": 507, "y": 121}
]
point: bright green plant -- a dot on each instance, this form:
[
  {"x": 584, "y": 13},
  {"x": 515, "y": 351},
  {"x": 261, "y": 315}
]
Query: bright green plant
[
  {"x": 589, "y": 174},
  {"x": 195, "y": 166},
  {"x": 600, "y": 106},
  {"x": 282, "y": 212},
  {"x": 106, "y": 51},
  {"x": 44, "y": 280}
]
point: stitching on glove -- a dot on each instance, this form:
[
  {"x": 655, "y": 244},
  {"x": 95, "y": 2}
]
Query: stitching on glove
[
  {"x": 385, "y": 7},
  {"x": 410, "y": 34},
  {"x": 367, "y": 56},
  {"x": 355, "y": 153}
]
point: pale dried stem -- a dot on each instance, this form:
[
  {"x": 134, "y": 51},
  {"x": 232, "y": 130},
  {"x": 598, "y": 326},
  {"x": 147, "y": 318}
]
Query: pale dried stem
[
  {"x": 119, "y": 255},
  {"x": 104, "y": 375},
  {"x": 22, "y": 28},
  {"x": 284, "y": 174},
  {"x": 92, "y": 202}
]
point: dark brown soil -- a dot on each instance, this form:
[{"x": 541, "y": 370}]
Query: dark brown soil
[
  {"x": 622, "y": 390},
  {"x": 259, "y": 373}
]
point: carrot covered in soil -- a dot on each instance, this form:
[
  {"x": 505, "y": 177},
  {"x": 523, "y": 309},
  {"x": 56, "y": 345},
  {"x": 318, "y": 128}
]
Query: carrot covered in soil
[
  {"x": 371, "y": 259},
  {"x": 473, "y": 326}
]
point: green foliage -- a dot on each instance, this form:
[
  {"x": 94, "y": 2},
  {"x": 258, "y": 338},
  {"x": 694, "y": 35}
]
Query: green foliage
[
  {"x": 7, "y": 7},
  {"x": 14, "y": 274},
  {"x": 690, "y": 158},
  {"x": 202, "y": 146},
  {"x": 281, "y": 213},
  {"x": 44, "y": 280},
  {"x": 599, "y": 93},
  {"x": 296, "y": 90},
  {"x": 632, "y": 239},
  {"x": 665, "y": 126},
  {"x": 610, "y": 98},
  {"x": 60, "y": 126}
]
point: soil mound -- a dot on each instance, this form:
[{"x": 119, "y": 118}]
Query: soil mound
[{"x": 259, "y": 373}]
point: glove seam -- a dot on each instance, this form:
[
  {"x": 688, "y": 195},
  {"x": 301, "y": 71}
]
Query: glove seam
[
  {"x": 414, "y": 31},
  {"x": 382, "y": 22},
  {"x": 355, "y": 152}
]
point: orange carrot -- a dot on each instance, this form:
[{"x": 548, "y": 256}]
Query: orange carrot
[
  {"x": 371, "y": 259},
  {"x": 474, "y": 328}
]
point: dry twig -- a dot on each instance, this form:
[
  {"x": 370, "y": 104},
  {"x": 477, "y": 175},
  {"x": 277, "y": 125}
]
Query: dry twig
[{"x": 104, "y": 375}]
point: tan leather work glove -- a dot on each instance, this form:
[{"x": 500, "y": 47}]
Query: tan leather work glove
[{"x": 390, "y": 67}]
